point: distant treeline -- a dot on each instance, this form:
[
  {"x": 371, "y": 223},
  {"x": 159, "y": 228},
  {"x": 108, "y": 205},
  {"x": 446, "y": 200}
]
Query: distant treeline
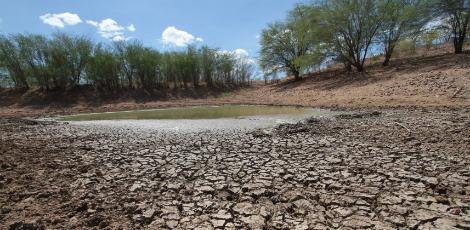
[
  {"x": 346, "y": 31},
  {"x": 66, "y": 61}
]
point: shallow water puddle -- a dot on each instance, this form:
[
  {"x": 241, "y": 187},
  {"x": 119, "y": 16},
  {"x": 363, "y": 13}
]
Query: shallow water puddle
[{"x": 200, "y": 112}]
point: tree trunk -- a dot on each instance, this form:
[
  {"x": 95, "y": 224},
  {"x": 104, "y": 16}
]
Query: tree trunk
[
  {"x": 348, "y": 66},
  {"x": 359, "y": 68},
  {"x": 459, "y": 36},
  {"x": 388, "y": 56},
  {"x": 296, "y": 75},
  {"x": 129, "y": 83},
  {"x": 458, "y": 45}
]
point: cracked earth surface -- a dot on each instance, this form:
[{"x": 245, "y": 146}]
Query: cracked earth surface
[{"x": 395, "y": 169}]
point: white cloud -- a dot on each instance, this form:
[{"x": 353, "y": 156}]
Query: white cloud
[
  {"x": 131, "y": 28},
  {"x": 119, "y": 38},
  {"x": 91, "y": 22},
  {"x": 173, "y": 36},
  {"x": 61, "y": 20},
  {"x": 110, "y": 29},
  {"x": 241, "y": 53}
]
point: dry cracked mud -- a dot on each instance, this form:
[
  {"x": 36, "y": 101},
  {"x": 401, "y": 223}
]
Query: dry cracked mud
[{"x": 394, "y": 169}]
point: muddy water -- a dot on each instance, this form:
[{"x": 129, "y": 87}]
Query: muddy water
[
  {"x": 229, "y": 117},
  {"x": 200, "y": 112}
]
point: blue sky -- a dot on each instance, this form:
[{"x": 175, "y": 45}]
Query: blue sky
[{"x": 163, "y": 24}]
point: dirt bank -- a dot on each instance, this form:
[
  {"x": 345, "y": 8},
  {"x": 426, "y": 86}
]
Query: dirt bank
[
  {"x": 395, "y": 169},
  {"x": 442, "y": 80}
]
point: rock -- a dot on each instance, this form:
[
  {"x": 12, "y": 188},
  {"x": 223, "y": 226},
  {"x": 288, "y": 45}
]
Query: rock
[
  {"x": 344, "y": 212},
  {"x": 171, "y": 224},
  {"x": 421, "y": 216},
  {"x": 358, "y": 222},
  {"x": 254, "y": 221},
  {"x": 244, "y": 208},
  {"x": 222, "y": 215},
  {"x": 205, "y": 189},
  {"x": 136, "y": 186},
  {"x": 148, "y": 215},
  {"x": 389, "y": 200},
  {"x": 83, "y": 206},
  {"x": 174, "y": 186},
  {"x": 157, "y": 224},
  {"x": 217, "y": 223},
  {"x": 25, "y": 225},
  {"x": 94, "y": 220}
]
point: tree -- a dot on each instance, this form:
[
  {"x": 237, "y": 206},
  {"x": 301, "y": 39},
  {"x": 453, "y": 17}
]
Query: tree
[
  {"x": 401, "y": 18},
  {"x": 225, "y": 63},
  {"x": 146, "y": 67},
  {"x": 11, "y": 60},
  {"x": 208, "y": 61},
  {"x": 292, "y": 46},
  {"x": 457, "y": 14},
  {"x": 34, "y": 51},
  {"x": 352, "y": 26},
  {"x": 78, "y": 50},
  {"x": 128, "y": 54},
  {"x": 103, "y": 69},
  {"x": 67, "y": 60},
  {"x": 192, "y": 65},
  {"x": 67, "y": 56},
  {"x": 243, "y": 70},
  {"x": 58, "y": 67}
]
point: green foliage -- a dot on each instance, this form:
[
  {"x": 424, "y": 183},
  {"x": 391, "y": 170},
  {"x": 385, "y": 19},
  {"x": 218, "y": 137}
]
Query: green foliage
[
  {"x": 67, "y": 61},
  {"x": 69, "y": 56},
  {"x": 457, "y": 16},
  {"x": 128, "y": 55},
  {"x": 12, "y": 61},
  {"x": 352, "y": 27},
  {"x": 401, "y": 19},
  {"x": 344, "y": 31},
  {"x": 295, "y": 45},
  {"x": 76, "y": 51},
  {"x": 103, "y": 69},
  {"x": 208, "y": 63},
  {"x": 225, "y": 63},
  {"x": 146, "y": 65},
  {"x": 407, "y": 46},
  {"x": 33, "y": 51},
  {"x": 429, "y": 37},
  {"x": 48, "y": 63}
]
